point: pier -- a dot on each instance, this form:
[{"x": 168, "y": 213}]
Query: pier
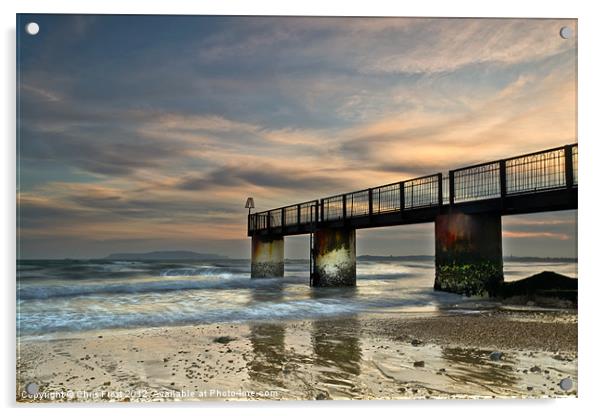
[{"x": 466, "y": 204}]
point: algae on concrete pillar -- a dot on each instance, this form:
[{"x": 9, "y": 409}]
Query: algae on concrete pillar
[
  {"x": 267, "y": 256},
  {"x": 334, "y": 257},
  {"x": 468, "y": 253}
]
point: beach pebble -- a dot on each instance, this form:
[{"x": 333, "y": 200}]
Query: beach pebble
[
  {"x": 535, "y": 369},
  {"x": 418, "y": 363},
  {"x": 416, "y": 342},
  {"x": 566, "y": 384},
  {"x": 495, "y": 356}
]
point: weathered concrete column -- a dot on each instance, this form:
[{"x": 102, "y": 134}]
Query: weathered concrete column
[
  {"x": 468, "y": 253},
  {"x": 267, "y": 256},
  {"x": 335, "y": 257}
]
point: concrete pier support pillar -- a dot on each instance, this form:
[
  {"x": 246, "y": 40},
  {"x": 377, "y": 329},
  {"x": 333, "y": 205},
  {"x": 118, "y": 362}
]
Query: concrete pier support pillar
[
  {"x": 334, "y": 257},
  {"x": 468, "y": 253},
  {"x": 267, "y": 256}
]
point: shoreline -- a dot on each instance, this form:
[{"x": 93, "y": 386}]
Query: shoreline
[{"x": 372, "y": 356}]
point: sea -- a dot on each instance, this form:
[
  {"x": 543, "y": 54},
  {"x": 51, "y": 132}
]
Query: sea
[{"x": 57, "y": 296}]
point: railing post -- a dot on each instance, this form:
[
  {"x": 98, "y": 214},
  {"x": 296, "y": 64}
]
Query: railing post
[
  {"x": 440, "y": 189},
  {"x": 316, "y": 216},
  {"x": 402, "y": 199},
  {"x": 282, "y": 218},
  {"x": 269, "y": 220},
  {"x": 451, "y": 187},
  {"x": 568, "y": 165},
  {"x": 344, "y": 207},
  {"x": 503, "y": 184},
  {"x": 370, "y": 202},
  {"x": 298, "y": 214},
  {"x": 322, "y": 210}
]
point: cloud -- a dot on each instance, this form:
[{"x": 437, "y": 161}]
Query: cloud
[
  {"x": 447, "y": 45},
  {"x": 134, "y": 141},
  {"x": 41, "y": 93},
  {"x": 419, "y": 141},
  {"x": 388, "y": 45},
  {"x": 526, "y": 234},
  {"x": 265, "y": 176},
  {"x": 95, "y": 216},
  {"x": 531, "y": 222},
  {"x": 121, "y": 154},
  {"x": 37, "y": 212}
]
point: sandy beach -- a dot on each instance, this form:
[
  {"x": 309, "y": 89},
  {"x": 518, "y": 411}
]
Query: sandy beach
[{"x": 379, "y": 356}]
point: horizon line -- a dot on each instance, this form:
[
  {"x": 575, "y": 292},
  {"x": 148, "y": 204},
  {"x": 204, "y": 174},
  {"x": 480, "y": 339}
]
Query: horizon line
[{"x": 224, "y": 257}]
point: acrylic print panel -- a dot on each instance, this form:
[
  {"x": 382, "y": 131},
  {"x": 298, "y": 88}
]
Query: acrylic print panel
[{"x": 295, "y": 208}]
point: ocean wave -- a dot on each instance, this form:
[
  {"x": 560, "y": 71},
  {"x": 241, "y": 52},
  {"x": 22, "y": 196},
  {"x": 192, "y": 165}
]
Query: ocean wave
[
  {"x": 185, "y": 314},
  {"x": 75, "y": 271},
  {"x": 28, "y": 292},
  {"x": 197, "y": 271},
  {"x": 57, "y": 296}
]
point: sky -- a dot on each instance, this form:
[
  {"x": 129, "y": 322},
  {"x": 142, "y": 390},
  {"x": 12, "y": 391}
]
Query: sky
[{"x": 142, "y": 133}]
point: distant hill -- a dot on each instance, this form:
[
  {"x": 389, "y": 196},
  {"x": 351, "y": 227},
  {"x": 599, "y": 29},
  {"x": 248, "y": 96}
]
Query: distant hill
[{"x": 165, "y": 255}]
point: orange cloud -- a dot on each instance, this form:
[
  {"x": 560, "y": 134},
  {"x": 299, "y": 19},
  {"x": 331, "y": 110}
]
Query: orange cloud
[{"x": 528, "y": 234}]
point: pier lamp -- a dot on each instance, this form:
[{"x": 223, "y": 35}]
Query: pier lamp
[{"x": 250, "y": 204}]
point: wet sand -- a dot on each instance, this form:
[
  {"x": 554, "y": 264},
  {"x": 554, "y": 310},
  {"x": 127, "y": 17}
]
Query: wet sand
[{"x": 382, "y": 356}]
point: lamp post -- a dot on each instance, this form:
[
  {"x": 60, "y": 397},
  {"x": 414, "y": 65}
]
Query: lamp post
[{"x": 250, "y": 204}]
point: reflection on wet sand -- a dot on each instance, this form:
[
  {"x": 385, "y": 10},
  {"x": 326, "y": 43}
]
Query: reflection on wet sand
[
  {"x": 473, "y": 366},
  {"x": 337, "y": 354},
  {"x": 331, "y": 348},
  {"x": 267, "y": 343},
  {"x": 268, "y": 359},
  {"x": 343, "y": 358}
]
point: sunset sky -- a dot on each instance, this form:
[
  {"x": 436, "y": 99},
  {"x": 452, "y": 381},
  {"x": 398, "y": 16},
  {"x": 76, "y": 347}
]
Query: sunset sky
[{"x": 140, "y": 133}]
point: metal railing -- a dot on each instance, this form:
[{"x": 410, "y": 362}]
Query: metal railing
[
  {"x": 477, "y": 182},
  {"x": 332, "y": 208},
  {"x": 536, "y": 172},
  {"x": 291, "y": 215},
  {"x": 358, "y": 203},
  {"x": 541, "y": 171},
  {"x": 421, "y": 192}
]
